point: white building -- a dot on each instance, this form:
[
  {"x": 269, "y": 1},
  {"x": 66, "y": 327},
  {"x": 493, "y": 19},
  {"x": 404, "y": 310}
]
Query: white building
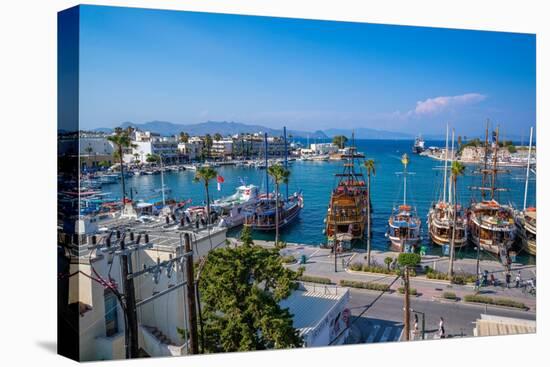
[
  {"x": 320, "y": 313},
  {"x": 93, "y": 149},
  {"x": 324, "y": 148},
  {"x": 101, "y": 321},
  {"x": 222, "y": 148},
  {"x": 150, "y": 143}
]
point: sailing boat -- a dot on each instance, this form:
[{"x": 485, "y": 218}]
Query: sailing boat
[
  {"x": 526, "y": 220},
  {"x": 491, "y": 224},
  {"x": 347, "y": 210},
  {"x": 404, "y": 223},
  {"x": 261, "y": 215},
  {"x": 441, "y": 213}
]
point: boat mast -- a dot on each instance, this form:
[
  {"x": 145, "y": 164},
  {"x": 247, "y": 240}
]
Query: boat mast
[
  {"x": 528, "y": 169},
  {"x": 162, "y": 181},
  {"x": 286, "y": 159},
  {"x": 495, "y": 159},
  {"x": 266, "y": 166},
  {"x": 405, "y": 161},
  {"x": 485, "y": 158},
  {"x": 446, "y": 157},
  {"x": 452, "y": 159}
]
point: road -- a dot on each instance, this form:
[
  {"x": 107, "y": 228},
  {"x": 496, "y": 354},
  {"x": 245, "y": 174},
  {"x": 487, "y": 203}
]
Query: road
[{"x": 387, "y": 311}]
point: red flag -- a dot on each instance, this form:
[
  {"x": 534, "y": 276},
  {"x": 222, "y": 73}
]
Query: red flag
[{"x": 220, "y": 181}]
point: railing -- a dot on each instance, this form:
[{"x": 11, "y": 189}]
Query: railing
[{"x": 344, "y": 219}]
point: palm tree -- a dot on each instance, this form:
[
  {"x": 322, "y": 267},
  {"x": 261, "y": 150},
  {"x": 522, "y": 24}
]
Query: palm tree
[
  {"x": 205, "y": 174},
  {"x": 280, "y": 175},
  {"x": 121, "y": 139},
  {"x": 184, "y": 137},
  {"x": 208, "y": 144},
  {"x": 217, "y": 136},
  {"x": 457, "y": 169},
  {"x": 370, "y": 166}
]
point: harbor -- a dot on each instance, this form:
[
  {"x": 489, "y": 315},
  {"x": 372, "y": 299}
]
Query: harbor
[{"x": 315, "y": 179}]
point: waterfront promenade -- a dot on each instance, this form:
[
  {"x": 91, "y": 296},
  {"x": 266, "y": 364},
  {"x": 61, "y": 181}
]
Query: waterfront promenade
[{"x": 320, "y": 263}]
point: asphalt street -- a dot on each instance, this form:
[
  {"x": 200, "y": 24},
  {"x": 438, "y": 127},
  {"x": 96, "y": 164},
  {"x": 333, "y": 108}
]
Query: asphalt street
[{"x": 387, "y": 311}]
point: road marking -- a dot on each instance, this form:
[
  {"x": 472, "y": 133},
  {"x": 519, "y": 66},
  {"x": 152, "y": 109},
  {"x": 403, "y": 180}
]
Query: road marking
[
  {"x": 386, "y": 334},
  {"x": 373, "y": 334}
]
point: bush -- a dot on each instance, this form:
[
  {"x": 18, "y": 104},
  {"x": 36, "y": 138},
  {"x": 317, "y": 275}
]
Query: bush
[
  {"x": 376, "y": 269},
  {"x": 493, "y": 301},
  {"x": 312, "y": 279},
  {"x": 365, "y": 285},
  {"x": 449, "y": 295},
  {"x": 437, "y": 275},
  {"x": 388, "y": 260},
  {"x": 464, "y": 278},
  {"x": 412, "y": 291},
  {"x": 356, "y": 266},
  {"x": 288, "y": 259}
]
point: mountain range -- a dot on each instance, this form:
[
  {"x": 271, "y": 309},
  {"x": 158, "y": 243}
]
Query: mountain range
[{"x": 166, "y": 128}]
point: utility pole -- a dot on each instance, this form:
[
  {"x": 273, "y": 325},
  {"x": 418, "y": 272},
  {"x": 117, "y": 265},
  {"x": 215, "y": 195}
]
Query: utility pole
[
  {"x": 191, "y": 300},
  {"x": 130, "y": 297},
  {"x": 407, "y": 310}
]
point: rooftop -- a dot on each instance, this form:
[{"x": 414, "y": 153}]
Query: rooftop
[{"x": 311, "y": 303}]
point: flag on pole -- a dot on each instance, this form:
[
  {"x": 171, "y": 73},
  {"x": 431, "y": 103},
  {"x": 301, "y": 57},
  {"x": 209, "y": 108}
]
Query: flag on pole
[{"x": 220, "y": 180}]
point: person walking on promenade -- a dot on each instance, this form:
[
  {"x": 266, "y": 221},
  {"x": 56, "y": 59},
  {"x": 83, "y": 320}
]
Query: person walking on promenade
[
  {"x": 415, "y": 330},
  {"x": 518, "y": 279},
  {"x": 441, "y": 328},
  {"x": 493, "y": 280},
  {"x": 508, "y": 279}
]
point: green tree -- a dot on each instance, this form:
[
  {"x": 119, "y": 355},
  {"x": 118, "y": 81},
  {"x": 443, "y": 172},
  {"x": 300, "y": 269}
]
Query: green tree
[
  {"x": 340, "y": 141},
  {"x": 184, "y": 137},
  {"x": 204, "y": 175},
  {"x": 218, "y": 136},
  {"x": 280, "y": 175},
  {"x": 122, "y": 141},
  {"x": 371, "y": 169},
  {"x": 407, "y": 261},
  {"x": 241, "y": 289},
  {"x": 457, "y": 169},
  {"x": 246, "y": 236},
  {"x": 152, "y": 158},
  {"x": 104, "y": 164}
]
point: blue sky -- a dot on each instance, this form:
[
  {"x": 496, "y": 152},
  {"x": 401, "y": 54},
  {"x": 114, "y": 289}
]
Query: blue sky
[{"x": 140, "y": 65}]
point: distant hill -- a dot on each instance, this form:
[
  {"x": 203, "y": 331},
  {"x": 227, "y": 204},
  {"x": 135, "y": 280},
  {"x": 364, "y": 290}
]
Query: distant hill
[
  {"x": 166, "y": 128},
  {"x": 366, "y": 133}
]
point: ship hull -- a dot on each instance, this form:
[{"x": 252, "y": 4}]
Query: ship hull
[
  {"x": 527, "y": 234},
  {"x": 268, "y": 224},
  {"x": 441, "y": 232},
  {"x": 493, "y": 233}
]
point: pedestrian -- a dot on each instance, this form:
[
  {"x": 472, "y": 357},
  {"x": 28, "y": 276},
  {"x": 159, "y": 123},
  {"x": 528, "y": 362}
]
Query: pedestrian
[
  {"x": 518, "y": 279},
  {"x": 493, "y": 280},
  {"x": 415, "y": 330},
  {"x": 508, "y": 279},
  {"x": 485, "y": 276},
  {"x": 441, "y": 328}
]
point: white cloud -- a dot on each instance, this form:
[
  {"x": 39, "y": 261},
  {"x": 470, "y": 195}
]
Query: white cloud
[{"x": 436, "y": 105}]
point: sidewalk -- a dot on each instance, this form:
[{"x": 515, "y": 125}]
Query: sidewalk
[{"x": 320, "y": 263}]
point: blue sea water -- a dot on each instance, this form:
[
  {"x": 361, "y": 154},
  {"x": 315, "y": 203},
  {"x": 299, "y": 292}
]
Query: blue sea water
[{"x": 316, "y": 179}]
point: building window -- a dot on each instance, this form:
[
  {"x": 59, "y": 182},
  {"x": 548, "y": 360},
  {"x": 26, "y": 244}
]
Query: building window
[{"x": 111, "y": 314}]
